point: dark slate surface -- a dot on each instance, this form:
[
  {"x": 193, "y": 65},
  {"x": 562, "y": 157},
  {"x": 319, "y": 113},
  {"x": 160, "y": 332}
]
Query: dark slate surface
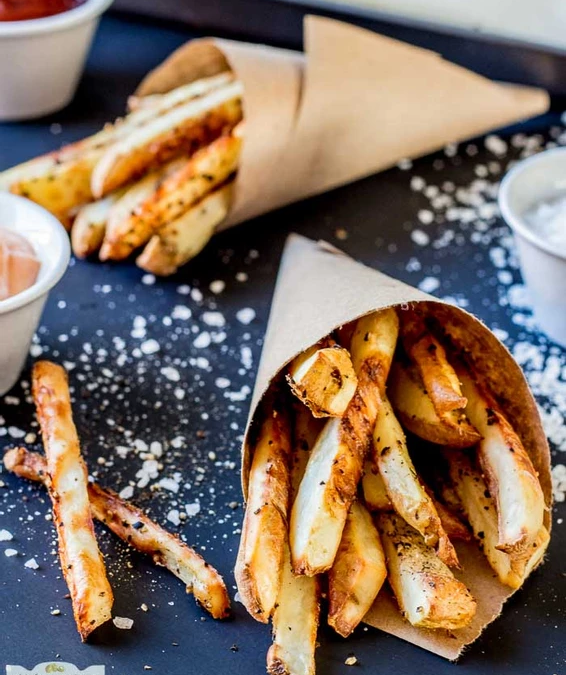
[{"x": 96, "y": 304}]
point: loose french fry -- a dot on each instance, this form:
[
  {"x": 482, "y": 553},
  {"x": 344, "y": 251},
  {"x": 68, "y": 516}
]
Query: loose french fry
[
  {"x": 296, "y": 614},
  {"x": 264, "y": 531},
  {"x": 206, "y": 170},
  {"x": 323, "y": 378},
  {"x": 403, "y": 486},
  {"x": 438, "y": 376},
  {"x": 509, "y": 472},
  {"x": 373, "y": 487},
  {"x": 358, "y": 572},
  {"x": 81, "y": 561},
  {"x": 186, "y": 127},
  {"x": 140, "y": 532},
  {"x": 428, "y": 594},
  {"x": 336, "y": 462},
  {"x": 415, "y": 410},
  {"x": 89, "y": 225},
  {"x": 182, "y": 239}
]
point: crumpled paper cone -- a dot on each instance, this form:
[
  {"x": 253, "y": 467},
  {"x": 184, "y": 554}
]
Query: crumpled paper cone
[
  {"x": 353, "y": 104},
  {"x": 318, "y": 289}
]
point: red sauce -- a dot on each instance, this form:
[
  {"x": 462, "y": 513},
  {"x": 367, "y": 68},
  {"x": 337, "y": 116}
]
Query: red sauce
[{"x": 23, "y": 10}]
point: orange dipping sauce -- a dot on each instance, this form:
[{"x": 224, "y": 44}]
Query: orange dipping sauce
[
  {"x": 23, "y": 10},
  {"x": 19, "y": 265}
]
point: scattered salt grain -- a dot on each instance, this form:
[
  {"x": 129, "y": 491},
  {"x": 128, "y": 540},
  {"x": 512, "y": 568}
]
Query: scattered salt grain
[
  {"x": 10, "y": 552},
  {"x": 5, "y": 535},
  {"x": 425, "y": 216},
  {"x": 245, "y": 315},
  {"x": 172, "y": 374},
  {"x": 420, "y": 238},
  {"x": 31, "y": 564},
  {"x": 429, "y": 284},
  {"x": 241, "y": 277},
  {"x": 202, "y": 341},
  {"x": 222, "y": 382},
  {"x": 181, "y": 312},
  {"x": 217, "y": 286},
  {"x": 123, "y": 622},
  {"x": 215, "y": 319},
  {"x": 148, "y": 279},
  {"x": 196, "y": 295},
  {"x": 173, "y": 517},
  {"x": 150, "y": 346},
  {"x": 192, "y": 509},
  {"x": 127, "y": 492}
]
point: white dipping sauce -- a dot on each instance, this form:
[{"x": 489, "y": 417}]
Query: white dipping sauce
[{"x": 547, "y": 220}]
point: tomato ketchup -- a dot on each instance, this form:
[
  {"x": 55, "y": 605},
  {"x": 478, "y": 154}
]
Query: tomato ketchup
[{"x": 23, "y": 10}]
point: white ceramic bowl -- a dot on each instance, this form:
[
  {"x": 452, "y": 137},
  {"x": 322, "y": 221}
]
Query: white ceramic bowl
[
  {"x": 41, "y": 60},
  {"x": 20, "y": 314},
  {"x": 539, "y": 178}
]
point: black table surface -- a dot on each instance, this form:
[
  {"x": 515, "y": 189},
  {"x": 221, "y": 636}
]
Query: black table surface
[{"x": 122, "y": 394}]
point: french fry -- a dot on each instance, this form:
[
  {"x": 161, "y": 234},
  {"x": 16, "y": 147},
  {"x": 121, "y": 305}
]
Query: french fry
[
  {"x": 296, "y": 614},
  {"x": 509, "y": 472},
  {"x": 323, "y": 378},
  {"x": 428, "y": 594},
  {"x": 416, "y": 411},
  {"x": 335, "y": 466},
  {"x": 89, "y": 225},
  {"x": 403, "y": 486},
  {"x": 438, "y": 376},
  {"x": 374, "y": 490},
  {"x": 188, "y": 126},
  {"x": 208, "y": 169},
  {"x": 140, "y": 532},
  {"x": 481, "y": 512},
  {"x": 358, "y": 572},
  {"x": 182, "y": 239},
  {"x": 264, "y": 530},
  {"x": 453, "y": 526},
  {"x": 81, "y": 561}
]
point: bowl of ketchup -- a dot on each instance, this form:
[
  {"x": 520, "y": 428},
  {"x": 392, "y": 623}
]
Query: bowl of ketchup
[
  {"x": 43, "y": 49},
  {"x": 34, "y": 254}
]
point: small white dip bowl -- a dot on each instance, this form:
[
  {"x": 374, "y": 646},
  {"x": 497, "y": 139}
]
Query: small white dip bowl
[
  {"x": 42, "y": 60},
  {"x": 20, "y": 314},
  {"x": 532, "y": 181}
]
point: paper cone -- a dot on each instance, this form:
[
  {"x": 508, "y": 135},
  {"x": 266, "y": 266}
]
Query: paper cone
[
  {"x": 319, "y": 289},
  {"x": 355, "y": 103}
]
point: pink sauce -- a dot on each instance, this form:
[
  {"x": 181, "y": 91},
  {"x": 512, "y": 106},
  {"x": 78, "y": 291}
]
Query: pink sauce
[{"x": 19, "y": 265}]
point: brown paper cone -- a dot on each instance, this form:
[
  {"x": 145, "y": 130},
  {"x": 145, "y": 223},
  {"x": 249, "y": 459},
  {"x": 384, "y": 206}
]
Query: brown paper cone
[
  {"x": 355, "y": 103},
  {"x": 319, "y": 289}
]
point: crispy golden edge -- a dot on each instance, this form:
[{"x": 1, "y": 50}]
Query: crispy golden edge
[
  {"x": 500, "y": 437},
  {"x": 438, "y": 376},
  {"x": 417, "y": 575},
  {"x": 89, "y": 225},
  {"x": 206, "y": 170},
  {"x": 323, "y": 378},
  {"x": 81, "y": 561},
  {"x": 358, "y": 572},
  {"x": 140, "y": 532},
  {"x": 264, "y": 530},
  {"x": 415, "y": 410},
  {"x": 403, "y": 485}
]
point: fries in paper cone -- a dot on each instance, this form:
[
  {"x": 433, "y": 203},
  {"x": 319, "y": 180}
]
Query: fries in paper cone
[
  {"x": 352, "y": 104},
  {"x": 457, "y": 527}
]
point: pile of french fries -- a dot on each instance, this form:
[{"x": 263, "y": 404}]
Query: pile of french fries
[
  {"x": 159, "y": 180},
  {"x": 391, "y": 449},
  {"x": 76, "y": 502}
]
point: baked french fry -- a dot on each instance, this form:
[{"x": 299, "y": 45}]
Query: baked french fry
[
  {"x": 140, "y": 532},
  {"x": 416, "y": 411},
  {"x": 296, "y": 614},
  {"x": 81, "y": 561},
  {"x": 323, "y": 378},
  {"x": 481, "y": 512},
  {"x": 453, "y": 526},
  {"x": 428, "y": 594},
  {"x": 358, "y": 572},
  {"x": 184, "y": 128},
  {"x": 403, "y": 486},
  {"x": 264, "y": 530},
  {"x": 182, "y": 239},
  {"x": 438, "y": 376},
  {"x": 509, "y": 472},
  {"x": 208, "y": 169},
  {"x": 89, "y": 225},
  {"x": 335, "y": 466},
  {"x": 374, "y": 490}
]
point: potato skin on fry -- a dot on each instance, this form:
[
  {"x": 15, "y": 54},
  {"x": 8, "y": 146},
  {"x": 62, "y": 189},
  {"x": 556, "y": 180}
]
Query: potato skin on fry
[
  {"x": 428, "y": 594},
  {"x": 264, "y": 530},
  {"x": 135, "y": 528},
  {"x": 415, "y": 410},
  {"x": 358, "y": 572},
  {"x": 509, "y": 472},
  {"x": 323, "y": 378},
  {"x": 81, "y": 561}
]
